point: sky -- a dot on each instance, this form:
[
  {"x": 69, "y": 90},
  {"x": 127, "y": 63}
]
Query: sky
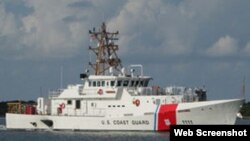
[{"x": 192, "y": 43}]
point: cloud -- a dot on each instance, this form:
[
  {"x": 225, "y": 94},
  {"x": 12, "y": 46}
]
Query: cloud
[
  {"x": 225, "y": 46},
  {"x": 7, "y": 22},
  {"x": 45, "y": 30},
  {"x": 54, "y": 29},
  {"x": 39, "y": 33},
  {"x": 246, "y": 50},
  {"x": 166, "y": 28},
  {"x": 8, "y": 33},
  {"x": 50, "y": 28},
  {"x": 153, "y": 27}
]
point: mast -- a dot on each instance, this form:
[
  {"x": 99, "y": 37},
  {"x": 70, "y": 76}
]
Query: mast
[{"x": 104, "y": 51}]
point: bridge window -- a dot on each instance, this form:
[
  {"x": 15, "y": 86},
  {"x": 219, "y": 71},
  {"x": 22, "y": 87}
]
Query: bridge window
[
  {"x": 146, "y": 83},
  {"x": 69, "y": 102},
  {"x": 78, "y": 104},
  {"x": 103, "y": 83},
  {"x": 98, "y": 83},
  {"x": 94, "y": 83},
  {"x": 136, "y": 83},
  {"x": 125, "y": 83},
  {"x": 132, "y": 83},
  {"x": 141, "y": 83},
  {"x": 112, "y": 83},
  {"x": 119, "y": 83}
]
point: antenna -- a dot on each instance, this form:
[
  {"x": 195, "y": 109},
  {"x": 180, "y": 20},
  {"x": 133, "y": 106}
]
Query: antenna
[
  {"x": 243, "y": 89},
  {"x": 103, "y": 16},
  {"x": 61, "y": 77},
  {"x": 41, "y": 93}
]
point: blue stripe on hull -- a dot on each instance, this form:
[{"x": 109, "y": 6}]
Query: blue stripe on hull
[{"x": 155, "y": 117}]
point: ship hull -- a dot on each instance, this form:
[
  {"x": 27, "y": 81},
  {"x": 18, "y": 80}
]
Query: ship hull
[{"x": 208, "y": 112}]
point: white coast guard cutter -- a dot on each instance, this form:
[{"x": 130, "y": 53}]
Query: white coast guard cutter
[{"x": 113, "y": 99}]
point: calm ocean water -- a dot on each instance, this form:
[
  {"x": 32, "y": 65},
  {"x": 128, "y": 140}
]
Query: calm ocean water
[{"x": 9, "y": 135}]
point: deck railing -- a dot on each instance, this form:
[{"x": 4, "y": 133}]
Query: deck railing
[{"x": 55, "y": 93}]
